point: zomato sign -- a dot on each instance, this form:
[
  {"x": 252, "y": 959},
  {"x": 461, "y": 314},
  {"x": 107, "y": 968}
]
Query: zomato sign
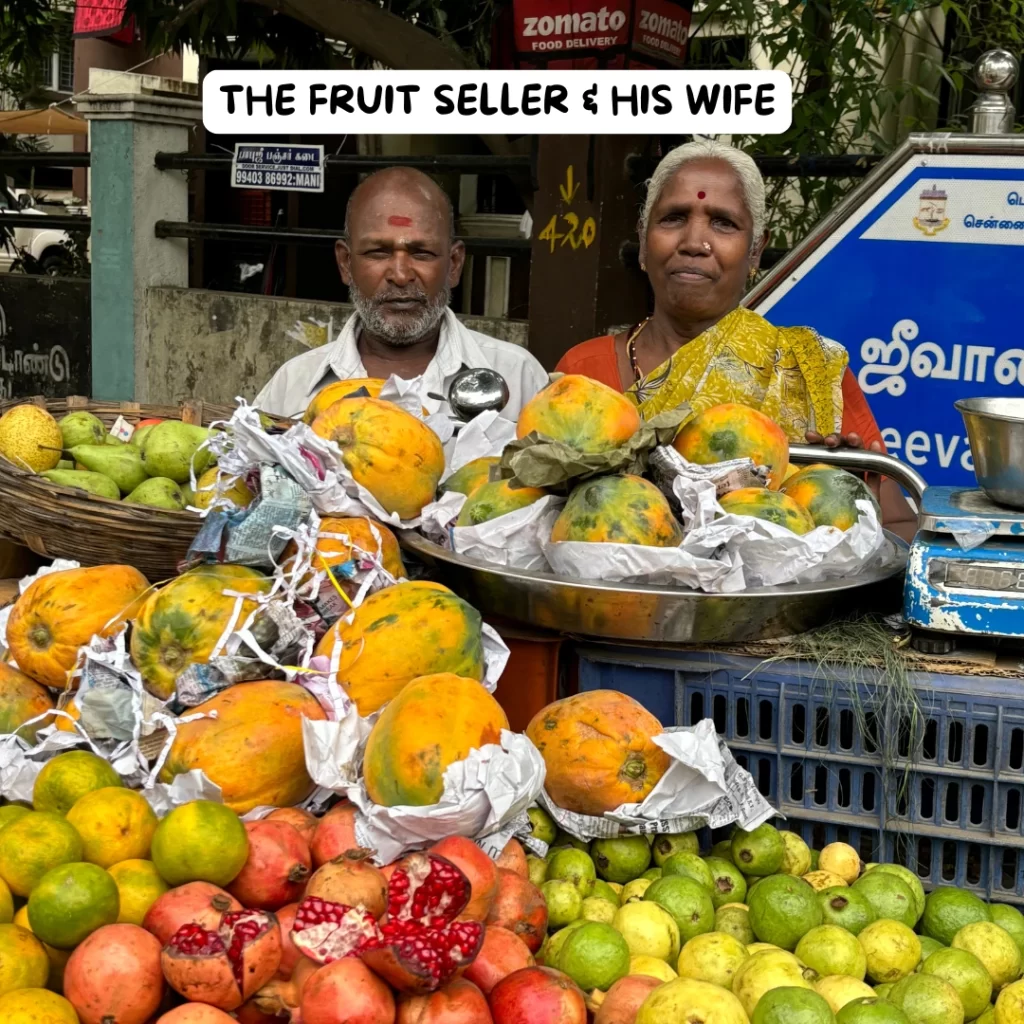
[{"x": 608, "y": 31}]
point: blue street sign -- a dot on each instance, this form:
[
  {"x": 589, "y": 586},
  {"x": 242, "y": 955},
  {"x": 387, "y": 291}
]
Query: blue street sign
[
  {"x": 922, "y": 284},
  {"x": 287, "y": 167}
]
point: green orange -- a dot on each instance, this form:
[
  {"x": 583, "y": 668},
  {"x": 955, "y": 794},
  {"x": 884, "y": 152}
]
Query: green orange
[
  {"x": 770, "y": 506},
  {"x": 139, "y": 886},
  {"x": 33, "y": 845},
  {"x": 71, "y": 902},
  {"x": 23, "y": 961},
  {"x": 115, "y": 824},
  {"x": 68, "y": 777},
  {"x": 36, "y": 1006},
  {"x": 829, "y": 495},
  {"x": 200, "y": 842},
  {"x": 618, "y": 510}
]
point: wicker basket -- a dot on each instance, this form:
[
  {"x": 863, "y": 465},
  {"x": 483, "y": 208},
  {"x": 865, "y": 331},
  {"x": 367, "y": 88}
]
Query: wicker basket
[{"x": 65, "y": 522}]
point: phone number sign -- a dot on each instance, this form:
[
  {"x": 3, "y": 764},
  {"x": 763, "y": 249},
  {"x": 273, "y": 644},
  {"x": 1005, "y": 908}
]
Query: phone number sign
[
  {"x": 287, "y": 167},
  {"x": 922, "y": 285}
]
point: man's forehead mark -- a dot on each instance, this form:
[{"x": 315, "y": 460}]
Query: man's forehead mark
[
  {"x": 400, "y": 222},
  {"x": 700, "y": 195}
]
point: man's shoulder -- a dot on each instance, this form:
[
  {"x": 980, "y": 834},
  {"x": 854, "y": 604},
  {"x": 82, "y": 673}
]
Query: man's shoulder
[
  {"x": 506, "y": 352},
  {"x": 303, "y": 363}
]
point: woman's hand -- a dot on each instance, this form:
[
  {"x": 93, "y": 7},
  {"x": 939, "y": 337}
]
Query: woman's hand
[{"x": 835, "y": 440}]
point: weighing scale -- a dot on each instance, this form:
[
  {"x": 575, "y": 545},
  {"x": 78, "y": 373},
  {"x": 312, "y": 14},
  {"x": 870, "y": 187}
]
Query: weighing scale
[{"x": 965, "y": 571}]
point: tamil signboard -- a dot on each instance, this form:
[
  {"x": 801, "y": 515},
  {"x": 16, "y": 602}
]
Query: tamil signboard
[
  {"x": 592, "y": 34},
  {"x": 292, "y": 168},
  {"x": 921, "y": 280}
]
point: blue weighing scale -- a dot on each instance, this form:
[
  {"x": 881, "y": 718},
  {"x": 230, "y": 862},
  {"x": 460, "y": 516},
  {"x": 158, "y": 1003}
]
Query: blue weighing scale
[{"x": 965, "y": 570}]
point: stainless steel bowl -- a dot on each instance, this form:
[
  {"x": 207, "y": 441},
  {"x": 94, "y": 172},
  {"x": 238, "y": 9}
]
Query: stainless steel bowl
[{"x": 995, "y": 428}]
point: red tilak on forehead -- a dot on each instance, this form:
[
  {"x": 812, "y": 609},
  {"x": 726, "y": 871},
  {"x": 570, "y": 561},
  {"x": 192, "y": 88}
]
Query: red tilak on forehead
[
  {"x": 700, "y": 195},
  {"x": 400, "y": 222}
]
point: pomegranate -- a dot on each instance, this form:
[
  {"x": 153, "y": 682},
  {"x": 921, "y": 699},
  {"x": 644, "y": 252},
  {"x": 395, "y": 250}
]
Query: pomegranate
[
  {"x": 502, "y": 953},
  {"x": 224, "y": 967},
  {"x": 537, "y": 995},
  {"x": 195, "y": 903},
  {"x": 335, "y": 834},
  {"x": 302, "y": 821},
  {"x": 513, "y": 858},
  {"x": 276, "y": 870},
  {"x": 481, "y": 871},
  {"x": 418, "y": 946},
  {"x": 347, "y": 992},
  {"x": 114, "y": 977},
  {"x": 521, "y": 908},
  {"x": 195, "y": 1013},
  {"x": 290, "y": 956},
  {"x": 250, "y": 1013},
  {"x": 459, "y": 1002},
  {"x": 353, "y": 881},
  {"x": 281, "y": 997},
  {"x": 622, "y": 1001}
]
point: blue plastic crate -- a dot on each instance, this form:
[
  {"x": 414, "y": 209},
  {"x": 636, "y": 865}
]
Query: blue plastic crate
[{"x": 947, "y": 801}]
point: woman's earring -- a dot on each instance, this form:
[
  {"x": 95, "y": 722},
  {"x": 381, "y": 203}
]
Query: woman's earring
[
  {"x": 643, "y": 267},
  {"x": 752, "y": 276}
]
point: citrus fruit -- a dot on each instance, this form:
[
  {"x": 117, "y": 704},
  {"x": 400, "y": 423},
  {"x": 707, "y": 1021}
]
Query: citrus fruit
[
  {"x": 822, "y": 880},
  {"x": 6, "y": 904},
  {"x": 571, "y": 865},
  {"x": 71, "y": 902},
  {"x": 967, "y": 974},
  {"x": 735, "y": 921},
  {"x": 845, "y": 907},
  {"x": 842, "y": 860},
  {"x": 782, "y": 910},
  {"x": 796, "y": 860},
  {"x": 139, "y": 886},
  {"x": 1011, "y": 920},
  {"x": 115, "y": 824},
  {"x": 633, "y": 891},
  {"x": 727, "y": 882},
  {"x": 200, "y": 842},
  {"x": 829, "y": 949},
  {"x": 648, "y": 930},
  {"x": 67, "y": 777},
  {"x": 593, "y": 908},
  {"x": 1010, "y": 1004},
  {"x": 929, "y": 946},
  {"x": 621, "y": 859},
  {"x": 32, "y": 845},
  {"x": 907, "y": 876},
  {"x": 688, "y": 865},
  {"x": 766, "y": 970},
  {"x": 603, "y": 891},
  {"x": 759, "y": 852},
  {"x": 58, "y": 957},
  {"x": 36, "y": 1006},
  {"x": 10, "y": 813},
  {"x": 871, "y": 1010},
  {"x": 946, "y": 911},
  {"x": 792, "y": 1006},
  {"x": 594, "y": 956},
  {"x": 994, "y": 947},
  {"x": 673, "y": 842},
  {"x": 652, "y": 967},
  {"x": 891, "y": 948},
  {"x": 686, "y": 901},
  {"x": 889, "y": 896},
  {"x": 543, "y": 825},
  {"x": 926, "y": 999},
  {"x": 713, "y": 957},
  {"x": 565, "y": 904},
  {"x": 695, "y": 1002},
  {"x": 553, "y": 944},
  {"x": 838, "y": 989},
  {"x": 23, "y": 961}
]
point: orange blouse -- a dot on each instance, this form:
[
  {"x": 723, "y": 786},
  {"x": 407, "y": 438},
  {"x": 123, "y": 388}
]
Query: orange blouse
[{"x": 597, "y": 358}]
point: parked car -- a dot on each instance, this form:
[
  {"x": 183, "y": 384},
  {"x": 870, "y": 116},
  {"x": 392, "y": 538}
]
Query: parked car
[{"x": 44, "y": 244}]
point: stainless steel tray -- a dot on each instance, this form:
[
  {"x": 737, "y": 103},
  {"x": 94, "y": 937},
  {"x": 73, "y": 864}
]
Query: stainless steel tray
[{"x": 638, "y": 612}]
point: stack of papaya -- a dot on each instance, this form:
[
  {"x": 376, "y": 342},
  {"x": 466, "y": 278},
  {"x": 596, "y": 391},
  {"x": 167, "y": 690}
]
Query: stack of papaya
[
  {"x": 154, "y": 467},
  {"x": 626, "y": 509}
]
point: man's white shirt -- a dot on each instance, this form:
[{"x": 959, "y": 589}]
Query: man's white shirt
[{"x": 294, "y": 385}]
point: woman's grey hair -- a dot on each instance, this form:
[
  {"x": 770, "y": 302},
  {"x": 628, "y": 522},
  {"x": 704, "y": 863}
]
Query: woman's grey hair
[{"x": 751, "y": 182}]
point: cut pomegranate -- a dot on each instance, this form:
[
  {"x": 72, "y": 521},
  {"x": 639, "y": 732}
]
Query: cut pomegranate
[
  {"x": 326, "y": 931},
  {"x": 421, "y": 944},
  {"x": 223, "y": 968}
]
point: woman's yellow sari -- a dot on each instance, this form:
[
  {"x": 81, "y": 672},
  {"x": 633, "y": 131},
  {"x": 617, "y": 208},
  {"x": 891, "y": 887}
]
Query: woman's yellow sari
[{"x": 791, "y": 374}]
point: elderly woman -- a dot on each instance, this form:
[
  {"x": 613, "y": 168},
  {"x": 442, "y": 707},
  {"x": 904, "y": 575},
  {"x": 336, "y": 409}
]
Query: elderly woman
[{"x": 702, "y": 232}]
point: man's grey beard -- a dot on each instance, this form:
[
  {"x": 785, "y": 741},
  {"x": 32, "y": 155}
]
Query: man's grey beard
[{"x": 400, "y": 329}]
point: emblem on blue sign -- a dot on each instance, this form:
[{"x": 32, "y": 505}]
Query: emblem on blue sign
[{"x": 931, "y": 212}]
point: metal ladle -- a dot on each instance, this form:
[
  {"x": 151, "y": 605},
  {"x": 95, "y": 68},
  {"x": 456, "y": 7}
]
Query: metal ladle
[{"x": 472, "y": 392}]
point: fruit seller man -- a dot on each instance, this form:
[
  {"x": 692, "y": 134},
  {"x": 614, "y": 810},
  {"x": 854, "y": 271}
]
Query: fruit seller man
[
  {"x": 702, "y": 233},
  {"x": 400, "y": 260}
]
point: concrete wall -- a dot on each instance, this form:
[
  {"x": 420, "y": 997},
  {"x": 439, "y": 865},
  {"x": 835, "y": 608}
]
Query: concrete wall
[{"x": 218, "y": 345}]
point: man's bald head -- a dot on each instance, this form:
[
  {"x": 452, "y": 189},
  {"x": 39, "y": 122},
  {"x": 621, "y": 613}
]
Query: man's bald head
[{"x": 395, "y": 185}]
